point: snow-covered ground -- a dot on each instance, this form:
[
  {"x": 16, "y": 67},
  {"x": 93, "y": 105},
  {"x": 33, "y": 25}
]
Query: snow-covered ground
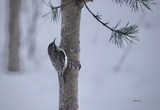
[{"x": 135, "y": 87}]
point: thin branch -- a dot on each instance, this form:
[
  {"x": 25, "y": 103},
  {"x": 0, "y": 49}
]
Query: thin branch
[
  {"x": 97, "y": 17},
  {"x": 118, "y": 36}
]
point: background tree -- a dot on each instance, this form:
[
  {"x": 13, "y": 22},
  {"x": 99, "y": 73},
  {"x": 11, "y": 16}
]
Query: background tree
[
  {"x": 71, "y": 14},
  {"x": 32, "y": 15},
  {"x": 14, "y": 35}
]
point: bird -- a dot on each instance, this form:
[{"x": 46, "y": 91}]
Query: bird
[{"x": 58, "y": 58}]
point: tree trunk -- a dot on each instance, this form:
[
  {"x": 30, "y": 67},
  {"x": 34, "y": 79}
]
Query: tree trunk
[
  {"x": 14, "y": 34},
  {"x": 68, "y": 94}
]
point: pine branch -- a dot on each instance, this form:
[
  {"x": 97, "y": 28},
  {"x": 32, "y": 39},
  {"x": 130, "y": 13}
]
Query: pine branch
[
  {"x": 55, "y": 12},
  {"x": 136, "y": 5},
  {"x": 118, "y": 36},
  {"x": 125, "y": 33}
]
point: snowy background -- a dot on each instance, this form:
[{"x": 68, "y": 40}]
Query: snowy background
[{"x": 136, "y": 86}]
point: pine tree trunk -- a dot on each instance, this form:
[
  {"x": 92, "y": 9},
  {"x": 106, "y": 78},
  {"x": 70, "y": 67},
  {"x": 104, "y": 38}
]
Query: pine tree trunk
[
  {"x": 70, "y": 42},
  {"x": 14, "y": 34}
]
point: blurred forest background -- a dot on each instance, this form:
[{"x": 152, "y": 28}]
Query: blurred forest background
[{"x": 121, "y": 79}]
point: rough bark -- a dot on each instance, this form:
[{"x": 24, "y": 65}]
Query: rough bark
[
  {"x": 70, "y": 42},
  {"x": 14, "y": 34}
]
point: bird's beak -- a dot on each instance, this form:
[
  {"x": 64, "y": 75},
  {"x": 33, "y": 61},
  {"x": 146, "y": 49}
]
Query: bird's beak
[
  {"x": 54, "y": 40},
  {"x": 53, "y": 44}
]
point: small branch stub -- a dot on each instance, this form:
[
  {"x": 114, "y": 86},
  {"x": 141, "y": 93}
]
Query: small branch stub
[{"x": 74, "y": 65}]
